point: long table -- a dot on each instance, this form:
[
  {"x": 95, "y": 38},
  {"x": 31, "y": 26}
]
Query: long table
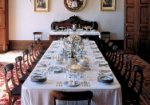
[{"x": 34, "y": 93}]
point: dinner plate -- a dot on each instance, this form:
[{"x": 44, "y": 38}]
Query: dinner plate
[
  {"x": 42, "y": 64},
  {"x": 38, "y": 78},
  {"x": 103, "y": 63},
  {"x": 70, "y": 84},
  {"x": 57, "y": 69},
  {"x": 106, "y": 78},
  {"x": 47, "y": 57}
]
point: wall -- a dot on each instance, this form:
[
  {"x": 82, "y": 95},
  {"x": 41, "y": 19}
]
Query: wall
[{"x": 23, "y": 20}]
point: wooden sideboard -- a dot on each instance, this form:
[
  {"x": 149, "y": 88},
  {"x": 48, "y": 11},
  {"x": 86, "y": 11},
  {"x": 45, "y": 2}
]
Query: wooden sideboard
[{"x": 64, "y": 28}]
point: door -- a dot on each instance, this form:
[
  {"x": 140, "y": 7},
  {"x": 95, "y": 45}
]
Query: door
[
  {"x": 137, "y": 25},
  {"x": 130, "y": 26},
  {"x": 144, "y": 29}
]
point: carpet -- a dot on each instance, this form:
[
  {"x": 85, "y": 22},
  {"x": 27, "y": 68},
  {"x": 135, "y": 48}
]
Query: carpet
[{"x": 6, "y": 58}]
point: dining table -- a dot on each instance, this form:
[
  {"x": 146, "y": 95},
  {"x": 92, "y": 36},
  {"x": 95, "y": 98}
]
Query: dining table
[{"x": 55, "y": 73}]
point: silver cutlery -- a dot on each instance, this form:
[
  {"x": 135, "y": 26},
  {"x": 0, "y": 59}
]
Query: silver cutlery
[
  {"x": 59, "y": 84},
  {"x": 85, "y": 84}
]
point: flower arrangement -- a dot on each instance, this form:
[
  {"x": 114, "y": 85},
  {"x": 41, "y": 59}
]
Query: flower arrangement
[
  {"x": 72, "y": 43},
  {"x": 74, "y": 38}
]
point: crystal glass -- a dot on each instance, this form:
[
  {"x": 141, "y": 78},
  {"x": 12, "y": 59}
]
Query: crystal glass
[{"x": 72, "y": 77}]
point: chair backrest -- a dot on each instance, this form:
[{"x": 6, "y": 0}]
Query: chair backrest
[
  {"x": 137, "y": 83},
  {"x": 108, "y": 50},
  {"x": 103, "y": 45},
  {"x": 113, "y": 55},
  {"x": 26, "y": 59},
  {"x": 128, "y": 67},
  {"x": 72, "y": 96},
  {"x": 37, "y": 35},
  {"x": 9, "y": 76},
  {"x": 12, "y": 84},
  {"x": 32, "y": 52},
  {"x": 120, "y": 61},
  {"x": 105, "y": 35},
  {"x": 9, "y": 79},
  {"x": 18, "y": 66}
]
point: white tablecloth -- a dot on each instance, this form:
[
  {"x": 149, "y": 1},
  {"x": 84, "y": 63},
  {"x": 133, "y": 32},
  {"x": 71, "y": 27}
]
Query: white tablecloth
[
  {"x": 78, "y": 31},
  {"x": 39, "y": 93}
]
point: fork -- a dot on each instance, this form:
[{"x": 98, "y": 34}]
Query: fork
[{"x": 59, "y": 84}]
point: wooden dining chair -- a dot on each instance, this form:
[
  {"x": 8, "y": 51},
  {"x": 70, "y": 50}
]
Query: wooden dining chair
[
  {"x": 13, "y": 90},
  {"x": 37, "y": 35},
  {"x": 103, "y": 46},
  {"x": 131, "y": 94},
  {"x": 21, "y": 74},
  {"x": 26, "y": 61},
  {"x": 118, "y": 63},
  {"x": 105, "y": 35},
  {"x": 113, "y": 55},
  {"x": 72, "y": 96},
  {"x": 108, "y": 51},
  {"x": 32, "y": 53},
  {"x": 124, "y": 74},
  {"x": 39, "y": 49}
]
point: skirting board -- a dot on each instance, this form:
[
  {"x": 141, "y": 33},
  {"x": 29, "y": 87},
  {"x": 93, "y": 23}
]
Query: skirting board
[{"x": 23, "y": 44}]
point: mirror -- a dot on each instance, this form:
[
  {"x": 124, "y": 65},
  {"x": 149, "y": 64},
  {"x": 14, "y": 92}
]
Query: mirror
[{"x": 75, "y": 5}]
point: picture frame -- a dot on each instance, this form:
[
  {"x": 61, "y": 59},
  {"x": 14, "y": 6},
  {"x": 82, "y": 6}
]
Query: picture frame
[
  {"x": 41, "y": 5},
  {"x": 75, "y": 5},
  {"x": 108, "y": 5}
]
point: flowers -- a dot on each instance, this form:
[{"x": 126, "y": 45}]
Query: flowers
[{"x": 74, "y": 38}]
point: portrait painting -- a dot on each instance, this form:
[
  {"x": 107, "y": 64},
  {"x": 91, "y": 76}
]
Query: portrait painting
[
  {"x": 41, "y": 5},
  {"x": 108, "y": 5}
]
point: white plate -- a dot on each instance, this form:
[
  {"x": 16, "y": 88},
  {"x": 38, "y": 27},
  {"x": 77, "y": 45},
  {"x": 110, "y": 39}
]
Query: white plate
[
  {"x": 103, "y": 63},
  {"x": 106, "y": 78},
  {"x": 38, "y": 78},
  {"x": 57, "y": 69},
  {"x": 47, "y": 56}
]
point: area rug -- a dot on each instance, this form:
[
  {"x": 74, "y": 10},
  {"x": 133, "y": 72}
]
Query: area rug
[{"x": 6, "y": 58}]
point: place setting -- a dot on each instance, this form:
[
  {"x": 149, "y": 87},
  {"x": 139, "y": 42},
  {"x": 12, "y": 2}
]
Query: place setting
[
  {"x": 42, "y": 64},
  {"x": 94, "y": 47},
  {"x": 56, "y": 69},
  {"x": 92, "y": 43},
  {"x": 105, "y": 76},
  {"x": 103, "y": 63},
  {"x": 47, "y": 57},
  {"x": 100, "y": 57},
  {"x": 39, "y": 76},
  {"x": 71, "y": 83}
]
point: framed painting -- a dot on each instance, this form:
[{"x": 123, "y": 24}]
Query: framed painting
[
  {"x": 75, "y": 5},
  {"x": 108, "y": 5},
  {"x": 41, "y": 5}
]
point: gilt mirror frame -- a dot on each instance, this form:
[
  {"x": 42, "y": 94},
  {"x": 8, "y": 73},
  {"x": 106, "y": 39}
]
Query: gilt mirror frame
[{"x": 75, "y": 5}]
